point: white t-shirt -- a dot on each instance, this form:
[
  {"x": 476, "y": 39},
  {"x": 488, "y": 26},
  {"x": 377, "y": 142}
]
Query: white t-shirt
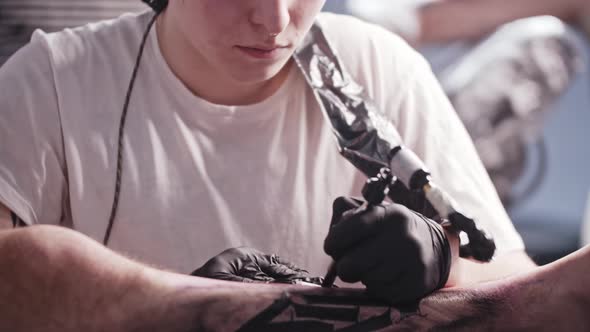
[{"x": 199, "y": 178}]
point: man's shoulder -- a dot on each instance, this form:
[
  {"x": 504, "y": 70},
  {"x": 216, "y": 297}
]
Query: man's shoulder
[{"x": 372, "y": 54}]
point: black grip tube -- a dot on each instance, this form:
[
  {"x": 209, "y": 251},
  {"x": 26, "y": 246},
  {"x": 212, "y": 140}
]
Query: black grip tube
[{"x": 481, "y": 246}]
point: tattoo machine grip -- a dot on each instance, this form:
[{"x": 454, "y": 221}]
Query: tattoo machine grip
[{"x": 410, "y": 170}]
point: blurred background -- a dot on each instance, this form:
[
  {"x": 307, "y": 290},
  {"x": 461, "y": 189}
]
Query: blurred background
[{"x": 515, "y": 71}]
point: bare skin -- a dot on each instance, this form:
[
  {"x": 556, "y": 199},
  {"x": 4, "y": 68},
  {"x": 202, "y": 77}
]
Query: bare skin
[
  {"x": 126, "y": 296},
  {"x": 451, "y": 20}
]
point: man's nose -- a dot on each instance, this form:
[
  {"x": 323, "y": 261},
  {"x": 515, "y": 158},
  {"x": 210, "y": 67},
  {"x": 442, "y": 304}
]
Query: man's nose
[{"x": 271, "y": 16}]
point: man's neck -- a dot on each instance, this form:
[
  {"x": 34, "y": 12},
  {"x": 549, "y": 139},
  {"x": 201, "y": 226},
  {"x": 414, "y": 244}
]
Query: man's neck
[{"x": 202, "y": 79}]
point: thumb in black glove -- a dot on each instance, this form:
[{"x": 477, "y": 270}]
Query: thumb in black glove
[
  {"x": 249, "y": 265},
  {"x": 399, "y": 255}
]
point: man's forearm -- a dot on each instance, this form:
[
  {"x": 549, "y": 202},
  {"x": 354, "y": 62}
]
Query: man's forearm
[
  {"x": 552, "y": 298},
  {"x": 545, "y": 299},
  {"x": 80, "y": 286},
  {"x": 451, "y": 20},
  {"x": 54, "y": 279}
]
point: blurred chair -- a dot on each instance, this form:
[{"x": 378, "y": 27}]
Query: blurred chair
[
  {"x": 502, "y": 88},
  {"x": 550, "y": 219}
]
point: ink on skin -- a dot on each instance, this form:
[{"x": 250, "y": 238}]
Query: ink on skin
[{"x": 330, "y": 313}]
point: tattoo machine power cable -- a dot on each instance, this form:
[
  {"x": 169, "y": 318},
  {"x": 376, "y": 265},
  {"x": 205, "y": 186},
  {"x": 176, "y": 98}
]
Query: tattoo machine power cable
[
  {"x": 158, "y": 6},
  {"x": 370, "y": 142}
]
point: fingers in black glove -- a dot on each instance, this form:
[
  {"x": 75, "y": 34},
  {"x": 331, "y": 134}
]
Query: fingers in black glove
[
  {"x": 398, "y": 254},
  {"x": 281, "y": 270},
  {"x": 233, "y": 264},
  {"x": 249, "y": 265},
  {"x": 342, "y": 205},
  {"x": 356, "y": 227},
  {"x": 353, "y": 266}
]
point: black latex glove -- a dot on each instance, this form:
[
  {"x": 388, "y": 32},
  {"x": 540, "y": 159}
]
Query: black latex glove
[
  {"x": 250, "y": 265},
  {"x": 399, "y": 255}
]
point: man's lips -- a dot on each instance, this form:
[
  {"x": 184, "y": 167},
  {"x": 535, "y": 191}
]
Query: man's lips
[{"x": 263, "y": 51}]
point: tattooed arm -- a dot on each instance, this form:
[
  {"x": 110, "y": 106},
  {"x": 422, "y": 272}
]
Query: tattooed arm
[
  {"x": 550, "y": 298},
  {"x": 53, "y": 279}
]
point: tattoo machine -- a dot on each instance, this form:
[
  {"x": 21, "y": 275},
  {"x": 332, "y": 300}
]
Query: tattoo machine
[{"x": 370, "y": 141}]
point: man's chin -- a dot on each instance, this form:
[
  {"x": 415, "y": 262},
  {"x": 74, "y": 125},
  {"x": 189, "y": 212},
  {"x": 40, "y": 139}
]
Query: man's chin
[{"x": 253, "y": 74}]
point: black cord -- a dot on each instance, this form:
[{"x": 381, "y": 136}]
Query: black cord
[
  {"x": 158, "y": 6},
  {"x": 16, "y": 220}
]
